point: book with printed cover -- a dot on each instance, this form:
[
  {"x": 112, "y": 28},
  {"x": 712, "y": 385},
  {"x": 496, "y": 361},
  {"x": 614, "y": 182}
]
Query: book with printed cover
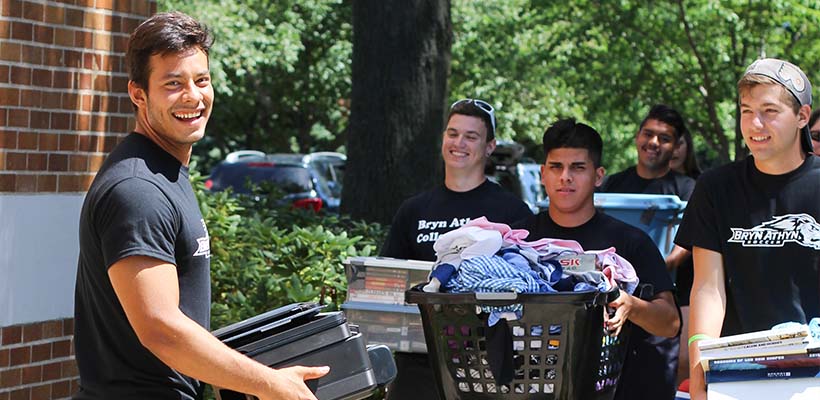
[
  {"x": 757, "y": 344},
  {"x": 784, "y": 366}
]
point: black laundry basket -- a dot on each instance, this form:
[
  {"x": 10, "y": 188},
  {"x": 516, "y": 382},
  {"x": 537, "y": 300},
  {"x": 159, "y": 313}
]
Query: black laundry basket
[{"x": 559, "y": 342}]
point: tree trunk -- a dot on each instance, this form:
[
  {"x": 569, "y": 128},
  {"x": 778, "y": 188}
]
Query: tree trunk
[{"x": 401, "y": 59}]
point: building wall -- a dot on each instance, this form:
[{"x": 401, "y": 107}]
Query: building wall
[{"x": 63, "y": 107}]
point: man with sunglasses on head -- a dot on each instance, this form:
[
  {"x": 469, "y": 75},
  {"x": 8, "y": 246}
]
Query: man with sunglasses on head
[{"x": 466, "y": 193}]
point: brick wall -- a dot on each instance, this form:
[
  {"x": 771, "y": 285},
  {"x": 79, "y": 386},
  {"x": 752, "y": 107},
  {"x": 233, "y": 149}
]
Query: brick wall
[
  {"x": 37, "y": 361},
  {"x": 63, "y": 106},
  {"x": 63, "y": 89}
]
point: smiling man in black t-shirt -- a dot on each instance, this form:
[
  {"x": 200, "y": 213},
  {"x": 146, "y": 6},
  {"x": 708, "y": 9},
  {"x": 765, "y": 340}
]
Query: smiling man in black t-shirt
[
  {"x": 752, "y": 224},
  {"x": 465, "y": 194},
  {"x": 570, "y": 174}
]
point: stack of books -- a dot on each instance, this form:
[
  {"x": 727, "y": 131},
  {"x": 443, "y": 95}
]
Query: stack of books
[{"x": 784, "y": 360}]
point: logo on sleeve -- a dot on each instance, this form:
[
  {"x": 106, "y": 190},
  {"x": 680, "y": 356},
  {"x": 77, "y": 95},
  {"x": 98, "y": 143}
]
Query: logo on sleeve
[
  {"x": 798, "y": 228},
  {"x": 203, "y": 243}
]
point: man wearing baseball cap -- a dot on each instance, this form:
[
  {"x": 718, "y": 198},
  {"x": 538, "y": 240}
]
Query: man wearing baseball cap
[{"x": 752, "y": 224}]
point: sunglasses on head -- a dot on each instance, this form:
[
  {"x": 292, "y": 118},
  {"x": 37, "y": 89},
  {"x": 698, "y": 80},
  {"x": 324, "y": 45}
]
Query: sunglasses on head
[
  {"x": 815, "y": 135},
  {"x": 481, "y": 104}
]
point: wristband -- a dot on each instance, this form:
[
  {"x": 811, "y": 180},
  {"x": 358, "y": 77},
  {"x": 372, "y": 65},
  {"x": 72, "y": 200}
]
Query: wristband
[{"x": 698, "y": 336}]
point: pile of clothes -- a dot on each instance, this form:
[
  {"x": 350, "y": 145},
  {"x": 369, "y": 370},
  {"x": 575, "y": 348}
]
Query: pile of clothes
[{"x": 482, "y": 256}]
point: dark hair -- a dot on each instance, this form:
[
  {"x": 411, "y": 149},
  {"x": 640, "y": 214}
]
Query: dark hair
[
  {"x": 164, "y": 33},
  {"x": 690, "y": 163},
  {"x": 470, "y": 109},
  {"x": 669, "y": 116},
  {"x": 566, "y": 133},
  {"x": 813, "y": 118}
]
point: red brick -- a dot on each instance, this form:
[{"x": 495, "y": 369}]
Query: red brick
[
  {"x": 83, "y": 81},
  {"x": 39, "y": 120},
  {"x": 61, "y": 121},
  {"x": 120, "y": 44},
  {"x": 119, "y": 84},
  {"x": 141, "y": 8},
  {"x": 130, "y": 24},
  {"x": 37, "y": 162},
  {"x": 97, "y": 21},
  {"x": 12, "y": 334},
  {"x": 73, "y": 59},
  {"x": 40, "y": 352},
  {"x": 19, "y": 355},
  {"x": 64, "y": 37},
  {"x": 10, "y": 52},
  {"x": 9, "y": 97},
  {"x": 33, "y": 11},
  {"x": 32, "y": 98},
  {"x": 52, "y": 329},
  {"x": 42, "y": 392},
  {"x": 126, "y": 106},
  {"x": 88, "y": 143},
  {"x": 61, "y": 348},
  {"x": 69, "y": 142},
  {"x": 74, "y": 17},
  {"x": 69, "y": 100},
  {"x": 5, "y": 396},
  {"x": 95, "y": 162},
  {"x": 12, "y": 8},
  {"x": 109, "y": 142},
  {"x": 105, "y": 4},
  {"x": 20, "y": 394},
  {"x": 2, "y": 117},
  {"x": 68, "y": 326},
  {"x": 8, "y": 140},
  {"x": 4, "y": 73},
  {"x": 26, "y": 141},
  {"x": 31, "y": 54},
  {"x": 83, "y": 39},
  {"x": 70, "y": 369},
  {"x": 55, "y": 14},
  {"x": 22, "y": 30},
  {"x": 46, "y": 183},
  {"x": 57, "y": 162},
  {"x": 81, "y": 122},
  {"x": 10, "y": 378},
  {"x": 25, "y": 184},
  {"x": 77, "y": 163},
  {"x": 20, "y": 75},
  {"x": 85, "y": 102},
  {"x": 4, "y": 358},
  {"x": 32, "y": 374},
  {"x": 48, "y": 142},
  {"x": 62, "y": 80},
  {"x": 52, "y": 371},
  {"x": 75, "y": 386},
  {"x": 15, "y": 162},
  {"x": 99, "y": 123},
  {"x": 51, "y": 100},
  {"x": 44, "y": 34},
  {"x": 41, "y": 77},
  {"x": 7, "y": 185},
  {"x": 101, "y": 83},
  {"x": 18, "y": 118},
  {"x": 2, "y": 167},
  {"x": 53, "y": 57},
  {"x": 60, "y": 389},
  {"x": 118, "y": 124}
]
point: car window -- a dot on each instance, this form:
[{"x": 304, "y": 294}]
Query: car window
[{"x": 289, "y": 178}]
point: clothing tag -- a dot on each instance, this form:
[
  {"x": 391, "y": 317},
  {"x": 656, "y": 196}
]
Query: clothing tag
[{"x": 577, "y": 263}]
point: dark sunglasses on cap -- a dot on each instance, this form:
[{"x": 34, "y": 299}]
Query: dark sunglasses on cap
[
  {"x": 481, "y": 104},
  {"x": 815, "y": 135}
]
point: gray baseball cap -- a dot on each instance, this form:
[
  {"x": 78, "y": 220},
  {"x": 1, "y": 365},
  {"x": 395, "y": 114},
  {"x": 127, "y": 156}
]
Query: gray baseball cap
[{"x": 793, "y": 79}]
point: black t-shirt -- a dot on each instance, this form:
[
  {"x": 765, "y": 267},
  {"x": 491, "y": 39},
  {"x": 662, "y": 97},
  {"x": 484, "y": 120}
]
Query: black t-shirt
[
  {"x": 650, "y": 368},
  {"x": 628, "y": 181},
  {"x": 140, "y": 204},
  {"x": 765, "y": 227},
  {"x": 421, "y": 219}
]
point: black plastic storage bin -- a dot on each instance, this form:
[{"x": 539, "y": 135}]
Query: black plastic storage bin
[
  {"x": 298, "y": 334},
  {"x": 559, "y": 342}
]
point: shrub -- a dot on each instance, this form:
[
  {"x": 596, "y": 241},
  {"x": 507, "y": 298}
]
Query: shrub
[{"x": 265, "y": 254}]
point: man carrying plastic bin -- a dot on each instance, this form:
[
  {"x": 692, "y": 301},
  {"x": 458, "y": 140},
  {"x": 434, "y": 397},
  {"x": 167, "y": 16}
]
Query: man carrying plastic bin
[
  {"x": 468, "y": 141},
  {"x": 570, "y": 174},
  {"x": 752, "y": 224}
]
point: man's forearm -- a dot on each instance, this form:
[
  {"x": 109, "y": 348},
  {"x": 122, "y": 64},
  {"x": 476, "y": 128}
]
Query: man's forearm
[{"x": 657, "y": 316}]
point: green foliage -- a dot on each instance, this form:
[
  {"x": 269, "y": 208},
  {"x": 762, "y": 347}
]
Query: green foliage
[
  {"x": 608, "y": 62},
  {"x": 265, "y": 255},
  {"x": 281, "y": 70}
]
